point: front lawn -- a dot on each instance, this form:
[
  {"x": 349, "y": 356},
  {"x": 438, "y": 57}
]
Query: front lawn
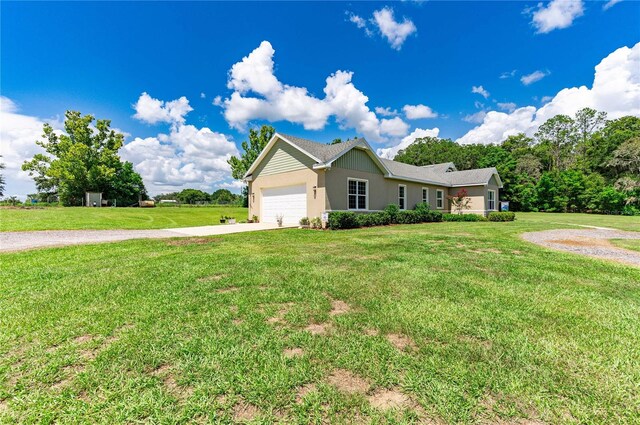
[
  {"x": 455, "y": 322},
  {"x": 75, "y": 218}
]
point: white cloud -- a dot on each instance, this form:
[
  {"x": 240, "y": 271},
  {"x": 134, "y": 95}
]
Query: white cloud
[
  {"x": 546, "y": 99},
  {"x": 391, "y": 152},
  {"x": 480, "y": 90},
  {"x": 533, "y": 77},
  {"x": 394, "y": 31},
  {"x": 360, "y": 23},
  {"x": 394, "y": 127},
  {"x": 414, "y": 112},
  {"x": 18, "y": 134},
  {"x": 217, "y": 101},
  {"x": 557, "y": 14},
  {"x": 202, "y": 95},
  {"x": 386, "y": 112},
  {"x": 509, "y": 74},
  {"x": 507, "y": 106},
  {"x": 153, "y": 111},
  {"x": 615, "y": 90},
  {"x": 608, "y": 5},
  {"x": 281, "y": 102},
  {"x": 476, "y": 118}
]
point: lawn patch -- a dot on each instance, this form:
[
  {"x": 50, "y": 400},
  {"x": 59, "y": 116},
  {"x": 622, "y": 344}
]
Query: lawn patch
[{"x": 347, "y": 382}]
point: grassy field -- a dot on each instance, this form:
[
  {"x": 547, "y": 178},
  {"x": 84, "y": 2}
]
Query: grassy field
[
  {"x": 561, "y": 220},
  {"x": 457, "y": 322},
  {"x": 632, "y": 244},
  {"x": 74, "y": 218}
]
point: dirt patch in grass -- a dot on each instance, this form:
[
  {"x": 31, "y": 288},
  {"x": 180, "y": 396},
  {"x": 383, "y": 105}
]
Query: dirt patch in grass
[
  {"x": 70, "y": 372},
  {"x": 237, "y": 322},
  {"x": 318, "y": 328},
  {"x": 339, "y": 307},
  {"x": 282, "y": 311},
  {"x": 293, "y": 352},
  {"x": 469, "y": 339},
  {"x": 212, "y": 278},
  {"x": 582, "y": 241},
  {"x": 227, "y": 290},
  {"x": 347, "y": 382},
  {"x": 304, "y": 390},
  {"x": 486, "y": 251},
  {"x": 388, "y": 399},
  {"x": 192, "y": 241},
  {"x": 83, "y": 339},
  {"x": 401, "y": 342},
  {"x": 245, "y": 412},
  {"x": 371, "y": 332},
  {"x": 170, "y": 384}
]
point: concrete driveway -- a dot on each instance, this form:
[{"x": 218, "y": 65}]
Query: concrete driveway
[{"x": 19, "y": 241}]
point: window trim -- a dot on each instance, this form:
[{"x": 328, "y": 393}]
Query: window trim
[
  {"x": 425, "y": 199},
  {"x": 439, "y": 199},
  {"x": 491, "y": 200},
  {"x": 366, "y": 194},
  {"x": 404, "y": 198}
]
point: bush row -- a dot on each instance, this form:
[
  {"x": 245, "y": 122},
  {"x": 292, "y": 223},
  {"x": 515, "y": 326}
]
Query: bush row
[
  {"x": 502, "y": 216},
  {"x": 463, "y": 217},
  {"x": 391, "y": 215}
]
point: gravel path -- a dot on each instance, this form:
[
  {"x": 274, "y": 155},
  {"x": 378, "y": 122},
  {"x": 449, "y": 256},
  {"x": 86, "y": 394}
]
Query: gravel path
[
  {"x": 20, "y": 241},
  {"x": 590, "y": 242}
]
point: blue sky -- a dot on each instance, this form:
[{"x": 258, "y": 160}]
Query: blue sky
[{"x": 100, "y": 57}]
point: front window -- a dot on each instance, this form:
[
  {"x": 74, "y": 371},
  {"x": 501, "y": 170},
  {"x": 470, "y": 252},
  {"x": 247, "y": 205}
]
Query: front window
[
  {"x": 439, "y": 199},
  {"x": 492, "y": 200},
  {"x": 357, "y": 190},
  {"x": 425, "y": 195},
  {"x": 402, "y": 197}
]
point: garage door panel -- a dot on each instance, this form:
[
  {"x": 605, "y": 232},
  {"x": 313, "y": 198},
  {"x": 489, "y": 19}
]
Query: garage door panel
[{"x": 288, "y": 201}]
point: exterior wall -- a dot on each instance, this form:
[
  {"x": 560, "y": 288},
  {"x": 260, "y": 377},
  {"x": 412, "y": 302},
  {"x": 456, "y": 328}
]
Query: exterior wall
[
  {"x": 308, "y": 177},
  {"x": 480, "y": 197},
  {"x": 382, "y": 191},
  {"x": 282, "y": 158},
  {"x": 357, "y": 159}
]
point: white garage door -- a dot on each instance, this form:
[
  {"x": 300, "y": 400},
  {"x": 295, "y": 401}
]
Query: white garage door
[{"x": 288, "y": 201}]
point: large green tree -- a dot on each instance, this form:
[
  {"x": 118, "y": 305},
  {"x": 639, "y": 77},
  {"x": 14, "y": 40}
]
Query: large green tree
[{"x": 84, "y": 158}]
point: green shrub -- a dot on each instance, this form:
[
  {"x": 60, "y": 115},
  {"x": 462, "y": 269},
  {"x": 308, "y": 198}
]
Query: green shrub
[
  {"x": 304, "y": 221},
  {"x": 426, "y": 215},
  {"x": 342, "y": 220},
  {"x": 316, "y": 223},
  {"x": 392, "y": 210},
  {"x": 463, "y": 217},
  {"x": 365, "y": 220},
  {"x": 502, "y": 216},
  {"x": 408, "y": 217}
]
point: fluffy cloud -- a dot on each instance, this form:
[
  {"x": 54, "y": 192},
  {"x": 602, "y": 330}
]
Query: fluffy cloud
[
  {"x": 360, "y": 23},
  {"x": 476, "y": 118},
  {"x": 610, "y": 4},
  {"x": 533, "y": 77},
  {"x": 391, "y": 152},
  {"x": 480, "y": 90},
  {"x": 18, "y": 134},
  {"x": 507, "y": 106},
  {"x": 394, "y": 31},
  {"x": 386, "y": 112},
  {"x": 615, "y": 90},
  {"x": 153, "y": 111},
  {"x": 186, "y": 156},
  {"x": 557, "y": 14},
  {"x": 414, "y": 112},
  {"x": 276, "y": 101}
]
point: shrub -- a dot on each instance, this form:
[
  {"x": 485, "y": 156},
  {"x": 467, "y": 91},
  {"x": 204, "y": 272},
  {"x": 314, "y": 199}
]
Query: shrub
[
  {"x": 392, "y": 210},
  {"x": 408, "y": 217},
  {"x": 366, "y": 220},
  {"x": 316, "y": 223},
  {"x": 342, "y": 220},
  {"x": 502, "y": 216},
  {"x": 463, "y": 217},
  {"x": 426, "y": 215},
  {"x": 381, "y": 218},
  {"x": 304, "y": 221}
]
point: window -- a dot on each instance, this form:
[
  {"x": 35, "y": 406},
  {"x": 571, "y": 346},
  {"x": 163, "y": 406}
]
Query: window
[
  {"x": 402, "y": 196},
  {"x": 357, "y": 194},
  {"x": 491, "y": 198},
  {"x": 439, "y": 199},
  {"x": 425, "y": 195}
]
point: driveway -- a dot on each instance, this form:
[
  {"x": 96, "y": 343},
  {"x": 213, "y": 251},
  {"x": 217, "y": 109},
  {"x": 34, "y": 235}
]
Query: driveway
[
  {"x": 19, "y": 241},
  {"x": 593, "y": 242}
]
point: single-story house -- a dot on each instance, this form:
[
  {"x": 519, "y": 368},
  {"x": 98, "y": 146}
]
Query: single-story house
[{"x": 295, "y": 178}]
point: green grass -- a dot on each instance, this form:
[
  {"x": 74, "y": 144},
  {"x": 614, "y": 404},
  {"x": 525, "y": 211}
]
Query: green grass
[
  {"x": 503, "y": 329},
  {"x": 632, "y": 244},
  {"x": 612, "y": 221},
  {"x": 74, "y": 218}
]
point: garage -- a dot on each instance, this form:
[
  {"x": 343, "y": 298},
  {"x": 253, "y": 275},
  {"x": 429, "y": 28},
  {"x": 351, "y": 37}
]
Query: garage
[{"x": 288, "y": 201}]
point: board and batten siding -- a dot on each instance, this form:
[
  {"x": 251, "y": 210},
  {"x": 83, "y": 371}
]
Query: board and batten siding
[
  {"x": 357, "y": 159},
  {"x": 283, "y": 158}
]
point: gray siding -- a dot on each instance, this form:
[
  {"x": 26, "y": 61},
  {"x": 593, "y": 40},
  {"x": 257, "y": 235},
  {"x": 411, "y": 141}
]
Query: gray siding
[
  {"x": 283, "y": 158},
  {"x": 357, "y": 159}
]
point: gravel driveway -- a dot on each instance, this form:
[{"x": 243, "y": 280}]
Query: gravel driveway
[
  {"x": 590, "y": 242},
  {"x": 19, "y": 241}
]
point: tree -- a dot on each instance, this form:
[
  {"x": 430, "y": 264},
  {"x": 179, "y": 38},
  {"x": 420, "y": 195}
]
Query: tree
[
  {"x": 336, "y": 141},
  {"x": 191, "y": 196},
  {"x": 1, "y": 178},
  {"x": 460, "y": 201},
  {"x": 83, "y": 158},
  {"x": 252, "y": 148},
  {"x": 223, "y": 197},
  {"x": 556, "y": 139}
]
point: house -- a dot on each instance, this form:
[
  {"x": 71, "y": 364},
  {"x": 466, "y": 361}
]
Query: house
[{"x": 295, "y": 178}]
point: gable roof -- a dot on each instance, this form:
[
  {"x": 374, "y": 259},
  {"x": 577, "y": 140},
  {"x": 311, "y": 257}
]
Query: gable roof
[{"x": 438, "y": 174}]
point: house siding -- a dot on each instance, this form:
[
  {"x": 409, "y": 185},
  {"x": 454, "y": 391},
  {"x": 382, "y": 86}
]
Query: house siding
[
  {"x": 357, "y": 159},
  {"x": 282, "y": 158}
]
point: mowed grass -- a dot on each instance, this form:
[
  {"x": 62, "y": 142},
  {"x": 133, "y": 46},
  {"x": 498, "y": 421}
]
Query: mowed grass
[
  {"x": 632, "y": 244},
  {"x": 174, "y": 331},
  {"x": 620, "y": 222},
  {"x": 76, "y": 218}
]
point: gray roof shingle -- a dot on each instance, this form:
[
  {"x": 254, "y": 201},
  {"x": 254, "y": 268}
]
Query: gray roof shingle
[{"x": 436, "y": 173}]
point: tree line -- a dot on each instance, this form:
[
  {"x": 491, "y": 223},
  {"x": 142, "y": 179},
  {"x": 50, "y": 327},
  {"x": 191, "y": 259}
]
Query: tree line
[
  {"x": 584, "y": 163},
  {"x": 195, "y": 196}
]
